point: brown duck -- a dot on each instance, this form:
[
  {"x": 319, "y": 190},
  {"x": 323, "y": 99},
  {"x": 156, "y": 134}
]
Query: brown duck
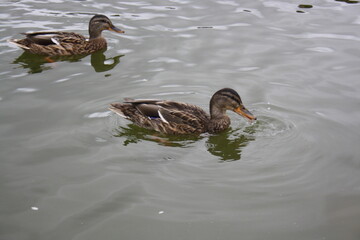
[
  {"x": 171, "y": 117},
  {"x": 68, "y": 43}
]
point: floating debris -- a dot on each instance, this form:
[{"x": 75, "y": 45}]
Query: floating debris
[
  {"x": 205, "y": 27},
  {"x": 26, "y": 90},
  {"x": 98, "y": 114},
  {"x": 305, "y": 6},
  {"x": 348, "y": 1}
]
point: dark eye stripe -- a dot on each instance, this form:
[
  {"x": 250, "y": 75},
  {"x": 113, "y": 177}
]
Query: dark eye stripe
[
  {"x": 102, "y": 21},
  {"x": 232, "y": 97}
]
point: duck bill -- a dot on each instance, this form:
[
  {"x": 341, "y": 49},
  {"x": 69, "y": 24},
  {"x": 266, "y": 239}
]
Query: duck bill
[
  {"x": 245, "y": 113},
  {"x": 115, "y": 29}
]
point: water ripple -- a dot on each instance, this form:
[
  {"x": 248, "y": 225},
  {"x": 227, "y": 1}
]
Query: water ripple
[
  {"x": 143, "y": 16},
  {"x": 271, "y": 121},
  {"x": 325, "y": 35}
]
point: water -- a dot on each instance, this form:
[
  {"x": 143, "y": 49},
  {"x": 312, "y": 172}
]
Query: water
[{"x": 70, "y": 169}]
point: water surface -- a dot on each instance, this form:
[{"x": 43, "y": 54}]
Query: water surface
[{"x": 70, "y": 169}]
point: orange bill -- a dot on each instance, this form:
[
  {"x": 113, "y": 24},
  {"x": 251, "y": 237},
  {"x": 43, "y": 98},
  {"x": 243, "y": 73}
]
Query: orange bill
[
  {"x": 115, "y": 29},
  {"x": 244, "y": 112}
]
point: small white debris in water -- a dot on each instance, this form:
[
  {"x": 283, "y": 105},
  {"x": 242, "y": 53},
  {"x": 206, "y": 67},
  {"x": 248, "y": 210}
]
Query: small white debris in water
[
  {"x": 62, "y": 80},
  {"x": 26, "y": 90},
  {"x": 34, "y": 208},
  {"x": 98, "y": 114},
  {"x": 141, "y": 80},
  {"x": 161, "y": 212},
  {"x": 99, "y": 139},
  {"x": 76, "y": 74},
  {"x": 320, "y": 114}
]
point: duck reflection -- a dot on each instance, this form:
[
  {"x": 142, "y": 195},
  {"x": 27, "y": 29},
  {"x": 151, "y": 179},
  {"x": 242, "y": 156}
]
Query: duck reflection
[
  {"x": 37, "y": 63},
  {"x": 135, "y": 134},
  {"x": 228, "y": 145},
  {"x": 100, "y": 63}
]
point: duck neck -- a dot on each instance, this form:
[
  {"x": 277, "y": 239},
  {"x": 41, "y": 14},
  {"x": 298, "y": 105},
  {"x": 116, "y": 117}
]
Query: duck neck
[
  {"x": 216, "y": 112},
  {"x": 219, "y": 121},
  {"x": 94, "y": 33}
]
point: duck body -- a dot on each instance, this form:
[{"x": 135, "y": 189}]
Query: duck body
[
  {"x": 60, "y": 43},
  {"x": 172, "y": 117},
  {"x": 57, "y": 43},
  {"x": 167, "y": 117}
]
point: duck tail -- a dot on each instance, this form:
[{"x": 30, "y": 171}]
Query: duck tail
[
  {"x": 18, "y": 43},
  {"x": 116, "y": 108}
]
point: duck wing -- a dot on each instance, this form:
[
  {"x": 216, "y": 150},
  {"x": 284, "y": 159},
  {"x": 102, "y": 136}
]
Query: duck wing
[
  {"x": 49, "y": 38},
  {"x": 183, "y": 113},
  {"x": 169, "y": 111}
]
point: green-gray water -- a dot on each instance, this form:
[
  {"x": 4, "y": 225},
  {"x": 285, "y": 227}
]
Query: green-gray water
[{"x": 69, "y": 169}]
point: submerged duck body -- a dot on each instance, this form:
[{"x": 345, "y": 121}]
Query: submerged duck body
[
  {"x": 57, "y": 43},
  {"x": 171, "y": 117}
]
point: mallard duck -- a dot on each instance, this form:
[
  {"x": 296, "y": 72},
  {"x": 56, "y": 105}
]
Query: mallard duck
[
  {"x": 68, "y": 43},
  {"x": 171, "y": 117}
]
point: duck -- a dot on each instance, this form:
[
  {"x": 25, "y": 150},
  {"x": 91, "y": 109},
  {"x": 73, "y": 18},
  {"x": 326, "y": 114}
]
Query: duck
[
  {"x": 57, "y": 43},
  {"x": 177, "y": 118}
]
